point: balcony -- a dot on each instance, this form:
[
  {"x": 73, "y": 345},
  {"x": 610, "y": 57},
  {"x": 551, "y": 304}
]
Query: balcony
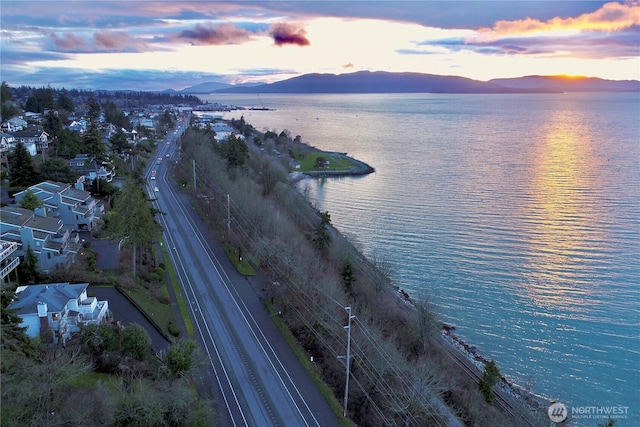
[
  {"x": 9, "y": 268},
  {"x": 7, "y": 249}
]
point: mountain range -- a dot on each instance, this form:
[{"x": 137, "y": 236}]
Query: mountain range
[{"x": 386, "y": 82}]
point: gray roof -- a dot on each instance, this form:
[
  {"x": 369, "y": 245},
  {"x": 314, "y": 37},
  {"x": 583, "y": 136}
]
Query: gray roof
[
  {"x": 55, "y": 295},
  {"x": 20, "y": 217}
]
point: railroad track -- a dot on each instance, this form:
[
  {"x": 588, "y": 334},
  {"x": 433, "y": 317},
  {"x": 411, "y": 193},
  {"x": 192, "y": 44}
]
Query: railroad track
[{"x": 501, "y": 401}]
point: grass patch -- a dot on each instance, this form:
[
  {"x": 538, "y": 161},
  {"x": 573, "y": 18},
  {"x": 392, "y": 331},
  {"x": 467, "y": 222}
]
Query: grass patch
[
  {"x": 90, "y": 379},
  {"x": 161, "y": 314},
  {"x": 242, "y": 265},
  {"x": 337, "y": 162},
  {"x": 182, "y": 304},
  {"x": 314, "y": 370}
]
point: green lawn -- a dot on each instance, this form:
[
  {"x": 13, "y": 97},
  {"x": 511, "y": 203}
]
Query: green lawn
[
  {"x": 337, "y": 162},
  {"x": 182, "y": 304},
  {"x": 162, "y": 314},
  {"x": 243, "y": 266}
]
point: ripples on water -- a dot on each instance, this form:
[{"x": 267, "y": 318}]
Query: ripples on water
[{"x": 519, "y": 215}]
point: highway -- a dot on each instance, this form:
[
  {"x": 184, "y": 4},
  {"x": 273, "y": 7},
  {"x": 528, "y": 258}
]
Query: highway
[{"x": 251, "y": 368}]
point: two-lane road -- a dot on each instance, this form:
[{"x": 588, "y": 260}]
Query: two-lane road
[{"x": 251, "y": 366}]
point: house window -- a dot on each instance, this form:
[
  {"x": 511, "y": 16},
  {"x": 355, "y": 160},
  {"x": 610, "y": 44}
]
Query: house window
[
  {"x": 54, "y": 316},
  {"x": 49, "y": 255}
]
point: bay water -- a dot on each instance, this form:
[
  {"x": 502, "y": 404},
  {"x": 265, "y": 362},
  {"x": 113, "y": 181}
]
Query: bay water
[{"x": 517, "y": 216}]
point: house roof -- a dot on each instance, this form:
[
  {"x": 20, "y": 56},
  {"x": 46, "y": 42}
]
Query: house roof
[
  {"x": 30, "y": 133},
  {"x": 46, "y": 189},
  {"x": 20, "y": 217},
  {"x": 55, "y": 295}
]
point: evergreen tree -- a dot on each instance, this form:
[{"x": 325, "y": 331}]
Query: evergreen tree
[
  {"x": 52, "y": 123},
  {"x": 119, "y": 142},
  {"x": 64, "y": 102},
  {"x": 30, "y": 201},
  {"x": 179, "y": 357},
  {"x": 14, "y": 338},
  {"x": 489, "y": 379},
  {"x": 9, "y": 109},
  {"x": 93, "y": 144},
  {"x": 21, "y": 170},
  {"x": 135, "y": 341},
  {"x": 133, "y": 219},
  {"x": 322, "y": 238},
  {"x": 56, "y": 169},
  {"x": 5, "y": 93},
  {"x": 93, "y": 107},
  {"x": 68, "y": 144},
  {"x": 234, "y": 150},
  {"x": 28, "y": 271}
]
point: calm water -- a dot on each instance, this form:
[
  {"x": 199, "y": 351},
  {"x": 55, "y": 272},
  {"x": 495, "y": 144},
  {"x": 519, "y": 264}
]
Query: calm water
[{"x": 517, "y": 215}]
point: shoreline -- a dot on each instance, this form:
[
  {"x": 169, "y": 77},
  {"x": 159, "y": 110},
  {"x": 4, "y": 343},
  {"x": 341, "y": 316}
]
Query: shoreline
[
  {"x": 534, "y": 402},
  {"x": 360, "y": 168}
]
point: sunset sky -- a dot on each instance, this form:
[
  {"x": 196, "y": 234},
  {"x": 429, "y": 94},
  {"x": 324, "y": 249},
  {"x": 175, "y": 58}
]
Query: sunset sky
[{"x": 156, "y": 45}]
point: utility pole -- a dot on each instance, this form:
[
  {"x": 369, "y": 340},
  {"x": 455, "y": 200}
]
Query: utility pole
[
  {"x": 228, "y": 217},
  {"x": 194, "y": 176},
  {"x": 348, "y": 358}
]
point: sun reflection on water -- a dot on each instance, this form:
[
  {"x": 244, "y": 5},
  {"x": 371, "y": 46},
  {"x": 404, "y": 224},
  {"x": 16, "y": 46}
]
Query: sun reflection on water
[{"x": 561, "y": 216}]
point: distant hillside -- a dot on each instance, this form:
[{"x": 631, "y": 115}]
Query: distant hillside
[
  {"x": 210, "y": 87},
  {"x": 375, "y": 82},
  {"x": 569, "y": 84},
  {"x": 385, "y": 82},
  {"x": 206, "y": 87}
]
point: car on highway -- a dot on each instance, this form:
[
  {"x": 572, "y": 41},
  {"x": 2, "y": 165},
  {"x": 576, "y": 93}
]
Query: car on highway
[
  {"x": 153, "y": 177},
  {"x": 156, "y": 189}
]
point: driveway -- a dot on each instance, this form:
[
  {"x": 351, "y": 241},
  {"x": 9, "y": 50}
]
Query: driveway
[
  {"x": 126, "y": 313},
  {"x": 107, "y": 251}
]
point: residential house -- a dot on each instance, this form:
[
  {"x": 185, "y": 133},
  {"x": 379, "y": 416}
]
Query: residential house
[
  {"x": 54, "y": 311},
  {"x": 71, "y": 204},
  {"x": 14, "y": 124},
  {"x": 33, "y": 135},
  {"x": 223, "y": 130},
  {"x": 90, "y": 169},
  {"x": 53, "y": 244},
  {"x": 8, "y": 144},
  {"x": 79, "y": 126}
]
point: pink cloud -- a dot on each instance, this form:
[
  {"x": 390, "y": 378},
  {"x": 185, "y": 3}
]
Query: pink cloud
[
  {"x": 289, "y": 34},
  {"x": 610, "y": 17},
  {"x": 117, "y": 41},
  {"x": 68, "y": 42},
  {"x": 222, "y": 34}
]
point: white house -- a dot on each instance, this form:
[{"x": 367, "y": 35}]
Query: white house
[
  {"x": 8, "y": 143},
  {"x": 33, "y": 135},
  {"x": 56, "y": 310},
  {"x": 14, "y": 124}
]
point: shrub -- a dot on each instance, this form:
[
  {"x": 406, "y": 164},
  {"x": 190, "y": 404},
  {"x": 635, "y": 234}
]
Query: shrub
[{"x": 173, "y": 329}]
